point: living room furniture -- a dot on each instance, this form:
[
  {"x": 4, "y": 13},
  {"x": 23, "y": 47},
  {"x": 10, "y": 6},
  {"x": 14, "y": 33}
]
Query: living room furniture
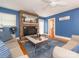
[
  {"x": 5, "y": 34},
  {"x": 15, "y": 49},
  {"x": 4, "y": 51},
  {"x": 66, "y": 50},
  {"x": 36, "y": 40},
  {"x": 60, "y": 52}
]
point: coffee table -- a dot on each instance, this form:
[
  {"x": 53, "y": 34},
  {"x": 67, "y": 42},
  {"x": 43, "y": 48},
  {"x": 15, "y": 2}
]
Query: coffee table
[{"x": 37, "y": 40}]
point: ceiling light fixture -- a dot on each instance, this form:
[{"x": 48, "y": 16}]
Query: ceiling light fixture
[{"x": 55, "y": 3}]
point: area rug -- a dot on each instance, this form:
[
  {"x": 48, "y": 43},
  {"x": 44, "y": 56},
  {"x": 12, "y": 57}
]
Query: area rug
[{"x": 42, "y": 50}]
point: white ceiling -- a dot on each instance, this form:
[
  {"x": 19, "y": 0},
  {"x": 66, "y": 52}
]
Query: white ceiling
[{"x": 38, "y": 6}]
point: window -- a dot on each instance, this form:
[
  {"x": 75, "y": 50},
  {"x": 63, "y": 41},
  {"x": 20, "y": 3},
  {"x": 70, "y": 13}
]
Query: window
[
  {"x": 64, "y": 18},
  {"x": 7, "y": 19},
  {"x": 41, "y": 26}
]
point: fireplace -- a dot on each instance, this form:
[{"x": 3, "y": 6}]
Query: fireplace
[{"x": 30, "y": 30}]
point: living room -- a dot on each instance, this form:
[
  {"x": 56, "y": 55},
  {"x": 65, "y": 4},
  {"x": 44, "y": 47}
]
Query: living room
[{"x": 39, "y": 29}]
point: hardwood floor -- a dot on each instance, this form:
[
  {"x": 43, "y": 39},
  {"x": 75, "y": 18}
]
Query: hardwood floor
[{"x": 23, "y": 48}]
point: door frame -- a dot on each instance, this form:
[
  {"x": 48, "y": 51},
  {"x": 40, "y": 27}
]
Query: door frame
[{"x": 54, "y": 25}]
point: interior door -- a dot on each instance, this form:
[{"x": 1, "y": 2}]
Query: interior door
[{"x": 51, "y": 28}]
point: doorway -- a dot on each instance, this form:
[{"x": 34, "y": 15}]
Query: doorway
[{"x": 51, "y": 28}]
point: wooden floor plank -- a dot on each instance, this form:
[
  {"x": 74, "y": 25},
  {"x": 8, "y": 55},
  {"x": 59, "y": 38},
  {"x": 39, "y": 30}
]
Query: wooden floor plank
[{"x": 23, "y": 48}]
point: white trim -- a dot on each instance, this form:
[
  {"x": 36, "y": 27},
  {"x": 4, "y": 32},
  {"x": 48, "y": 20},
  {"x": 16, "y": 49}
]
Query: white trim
[
  {"x": 46, "y": 34},
  {"x": 54, "y": 25},
  {"x": 57, "y": 36}
]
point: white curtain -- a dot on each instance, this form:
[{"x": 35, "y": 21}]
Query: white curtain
[
  {"x": 7, "y": 19},
  {"x": 41, "y": 26}
]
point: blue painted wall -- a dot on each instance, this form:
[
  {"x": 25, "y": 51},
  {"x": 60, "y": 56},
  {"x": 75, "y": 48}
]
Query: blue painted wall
[
  {"x": 9, "y": 11},
  {"x": 66, "y": 28}
]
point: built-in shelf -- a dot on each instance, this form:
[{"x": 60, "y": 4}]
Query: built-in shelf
[{"x": 25, "y": 21}]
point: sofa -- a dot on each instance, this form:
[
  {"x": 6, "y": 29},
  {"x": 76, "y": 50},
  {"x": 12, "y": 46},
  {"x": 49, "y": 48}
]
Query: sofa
[
  {"x": 60, "y": 52},
  {"x": 4, "y": 51},
  {"x": 15, "y": 49},
  {"x": 11, "y": 49},
  {"x": 5, "y": 34},
  {"x": 68, "y": 50}
]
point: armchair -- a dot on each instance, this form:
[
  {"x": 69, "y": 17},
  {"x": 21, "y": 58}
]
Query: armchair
[{"x": 66, "y": 50}]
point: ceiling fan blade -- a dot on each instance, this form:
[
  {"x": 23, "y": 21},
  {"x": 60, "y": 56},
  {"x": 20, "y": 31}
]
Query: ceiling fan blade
[
  {"x": 46, "y": 1},
  {"x": 60, "y": 3},
  {"x": 54, "y": 3}
]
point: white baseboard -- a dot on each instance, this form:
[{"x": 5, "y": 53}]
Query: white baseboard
[
  {"x": 46, "y": 34},
  {"x": 62, "y": 37},
  {"x": 57, "y": 36}
]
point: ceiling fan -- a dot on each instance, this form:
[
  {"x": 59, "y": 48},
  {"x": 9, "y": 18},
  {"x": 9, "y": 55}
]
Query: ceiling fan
[{"x": 54, "y": 3}]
